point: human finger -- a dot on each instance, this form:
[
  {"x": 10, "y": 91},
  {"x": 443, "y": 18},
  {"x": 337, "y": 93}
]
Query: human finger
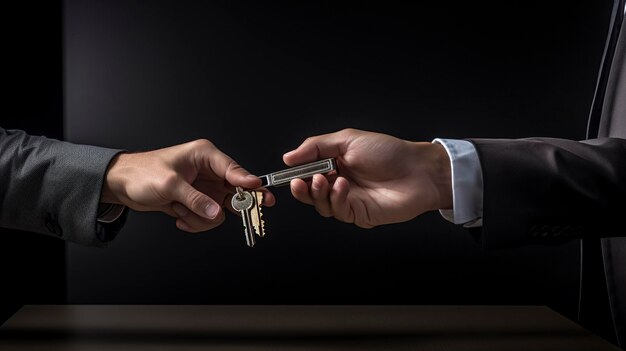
[
  {"x": 320, "y": 191},
  {"x": 191, "y": 222},
  {"x": 339, "y": 200},
  {"x": 318, "y": 147},
  {"x": 300, "y": 191},
  {"x": 213, "y": 161},
  {"x": 196, "y": 201}
]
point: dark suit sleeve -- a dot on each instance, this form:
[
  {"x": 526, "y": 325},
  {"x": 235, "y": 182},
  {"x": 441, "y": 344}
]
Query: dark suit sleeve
[
  {"x": 53, "y": 187},
  {"x": 548, "y": 191}
]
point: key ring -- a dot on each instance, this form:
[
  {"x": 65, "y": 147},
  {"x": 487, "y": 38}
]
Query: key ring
[{"x": 240, "y": 195}]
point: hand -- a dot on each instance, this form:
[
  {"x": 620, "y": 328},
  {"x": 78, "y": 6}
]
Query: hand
[
  {"x": 191, "y": 182},
  {"x": 381, "y": 179}
]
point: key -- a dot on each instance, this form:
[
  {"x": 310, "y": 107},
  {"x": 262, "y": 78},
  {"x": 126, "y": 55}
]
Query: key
[
  {"x": 257, "y": 215},
  {"x": 306, "y": 171},
  {"x": 243, "y": 201}
]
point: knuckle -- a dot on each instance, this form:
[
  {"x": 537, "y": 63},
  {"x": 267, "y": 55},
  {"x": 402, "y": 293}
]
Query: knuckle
[
  {"x": 168, "y": 181},
  {"x": 323, "y": 212},
  {"x": 343, "y": 219},
  {"x": 364, "y": 225},
  {"x": 202, "y": 143},
  {"x": 308, "y": 140},
  {"x": 234, "y": 166},
  {"x": 184, "y": 226},
  {"x": 195, "y": 200}
]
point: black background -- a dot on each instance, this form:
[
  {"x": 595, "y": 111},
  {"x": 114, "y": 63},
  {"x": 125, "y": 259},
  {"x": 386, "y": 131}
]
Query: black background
[
  {"x": 32, "y": 266},
  {"x": 257, "y": 79}
]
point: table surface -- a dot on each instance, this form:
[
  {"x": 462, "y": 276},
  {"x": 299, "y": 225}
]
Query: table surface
[{"x": 278, "y": 327}]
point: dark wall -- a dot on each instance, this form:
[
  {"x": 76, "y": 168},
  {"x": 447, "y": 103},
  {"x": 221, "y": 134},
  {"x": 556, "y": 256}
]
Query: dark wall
[
  {"x": 32, "y": 266},
  {"x": 257, "y": 78}
]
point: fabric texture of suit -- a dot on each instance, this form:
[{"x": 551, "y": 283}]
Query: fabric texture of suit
[
  {"x": 53, "y": 187},
  {"x": 545, "y": 190}
]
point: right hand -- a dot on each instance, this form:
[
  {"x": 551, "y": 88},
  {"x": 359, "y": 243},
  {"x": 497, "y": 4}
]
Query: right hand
[
  {"x": 382, "y": 179},
  {"x": 191, "y": 182}
]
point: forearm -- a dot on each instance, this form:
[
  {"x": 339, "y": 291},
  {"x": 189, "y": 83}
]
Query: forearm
[
  {"x": 51, "y": 187},
  {"x": 544, "y": 190}
]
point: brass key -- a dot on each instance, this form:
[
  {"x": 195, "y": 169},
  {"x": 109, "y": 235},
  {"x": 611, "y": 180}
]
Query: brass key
[{"x": 256, "y": 214}]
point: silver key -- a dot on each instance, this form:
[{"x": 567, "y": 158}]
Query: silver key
[
  {"x": 306, "y": 171},
  {"x": 243, "y": 201}
]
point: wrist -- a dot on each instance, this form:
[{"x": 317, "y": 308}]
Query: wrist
[
  {"x": 113, "y": 185},
  {"x": 435, "y": 175},
  {"x": 442, "y": 177},
  {"x": 431, "y": 176}
]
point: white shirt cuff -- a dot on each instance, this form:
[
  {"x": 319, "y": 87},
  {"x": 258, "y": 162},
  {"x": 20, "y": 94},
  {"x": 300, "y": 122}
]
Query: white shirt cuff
[
  {"x": 109, "y": 213},
  {"x": 467, "y": 183}
]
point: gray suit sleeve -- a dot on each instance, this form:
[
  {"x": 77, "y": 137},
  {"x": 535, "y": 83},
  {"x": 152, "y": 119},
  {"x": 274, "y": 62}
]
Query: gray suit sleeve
[
  {"x": 548, "y": 191},
  {"x": 53, "y": 187}
]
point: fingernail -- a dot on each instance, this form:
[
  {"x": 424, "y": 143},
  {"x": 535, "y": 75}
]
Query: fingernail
[
  {"x": 180, "y": 210},
  {"x": 250, "y": 176},
  {"x": 212, "y": 210}
]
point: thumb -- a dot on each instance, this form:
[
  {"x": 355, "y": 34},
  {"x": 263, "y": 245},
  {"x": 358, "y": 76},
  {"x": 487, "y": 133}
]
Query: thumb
[
  {"x": 318, "y": 147},
  {"x": 214, "y": 161},
  {"x": 198, "y": 202},
  {"x": 239, "y": 176}
]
